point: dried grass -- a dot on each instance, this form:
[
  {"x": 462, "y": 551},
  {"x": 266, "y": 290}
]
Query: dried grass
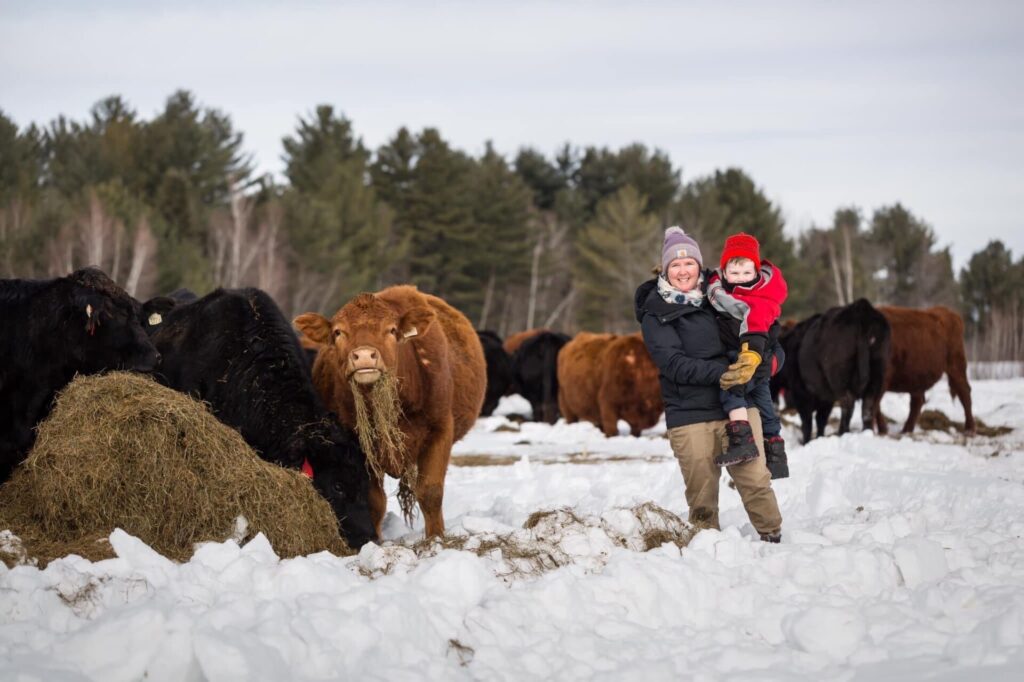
[
  {"x": 934, "y": 420},
  {"x": 121, "y": 451}
]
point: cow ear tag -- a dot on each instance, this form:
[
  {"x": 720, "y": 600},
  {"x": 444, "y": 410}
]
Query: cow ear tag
[
  {"x": 411, "y": 333},
  {"x": 155, "y": 319},
  {"x": 88, "y": 310}
]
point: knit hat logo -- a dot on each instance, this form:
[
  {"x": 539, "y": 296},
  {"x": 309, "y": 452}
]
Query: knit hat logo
[{"x": 678, "y": 244}]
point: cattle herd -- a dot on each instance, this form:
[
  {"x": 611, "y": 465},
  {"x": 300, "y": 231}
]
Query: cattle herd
[{"x": 390, "y": 381}]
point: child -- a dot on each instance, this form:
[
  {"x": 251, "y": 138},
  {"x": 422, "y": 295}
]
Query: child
[{"x": 749, "y": 293}]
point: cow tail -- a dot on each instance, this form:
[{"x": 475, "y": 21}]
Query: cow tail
[{"x": 956, "y": 358}]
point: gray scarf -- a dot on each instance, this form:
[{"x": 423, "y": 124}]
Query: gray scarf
[{"x": 694, "y": 296}]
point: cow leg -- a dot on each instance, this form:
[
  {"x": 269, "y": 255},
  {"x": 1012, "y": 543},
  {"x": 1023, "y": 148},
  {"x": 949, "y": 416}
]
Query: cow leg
[
  {"x": 880, "y": 421},
  {"x": 867, "y": 412},
  {"x": 916, "y": 403},
  {"x": 846, "y": 414},
  {"x": 377, "y": 501},
  {"x": 430, "y": 475},
  {"x": 806, "y": 416},
  {"x": 609, "y": 417},
  {"x": 567, "y": 414},
  {"x": 823, "y": 412}
]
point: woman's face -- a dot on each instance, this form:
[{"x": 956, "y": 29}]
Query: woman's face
[{"x": 683, "y": 273}]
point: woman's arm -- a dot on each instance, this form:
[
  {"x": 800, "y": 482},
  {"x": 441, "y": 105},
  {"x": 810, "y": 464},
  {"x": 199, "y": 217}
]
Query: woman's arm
[{"x": 663, "y": 344}]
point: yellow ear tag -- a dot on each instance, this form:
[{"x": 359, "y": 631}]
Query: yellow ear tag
[
  {"x": 411, "y": 333},
  {"x": 155, "y": 319}
]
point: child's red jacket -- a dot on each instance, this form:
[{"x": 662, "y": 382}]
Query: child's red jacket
[{"x": 755, "y": 307}]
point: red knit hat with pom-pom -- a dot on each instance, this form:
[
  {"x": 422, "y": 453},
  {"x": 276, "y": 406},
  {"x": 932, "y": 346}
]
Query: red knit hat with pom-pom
[{"x": 741, "y": 245}]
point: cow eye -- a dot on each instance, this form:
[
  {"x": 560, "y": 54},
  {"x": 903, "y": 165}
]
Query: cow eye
[
  {"x": 338, "y": 488},
  {"x": 337, "y": 333},
  {"x": 393, "y": 331}
]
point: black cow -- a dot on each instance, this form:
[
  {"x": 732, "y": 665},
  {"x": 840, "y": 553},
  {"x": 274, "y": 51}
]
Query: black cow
[
  {"x": 535, "y": 373},
  {"x": 53, "y": 329},
  {"x": 236, "y": 351},
  {"x": 840, "y": 354},
  {"x": 499, "y": 371}
]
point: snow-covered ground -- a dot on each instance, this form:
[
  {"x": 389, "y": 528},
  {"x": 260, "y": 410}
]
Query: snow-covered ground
[{"x": 902, "y": 559}]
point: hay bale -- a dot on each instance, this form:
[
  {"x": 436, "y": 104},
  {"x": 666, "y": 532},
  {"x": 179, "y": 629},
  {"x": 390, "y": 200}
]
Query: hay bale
[{"x": 121, "y": 451}]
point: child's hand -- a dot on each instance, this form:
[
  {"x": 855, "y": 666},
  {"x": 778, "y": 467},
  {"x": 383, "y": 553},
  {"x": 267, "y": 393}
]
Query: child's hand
[{"x": 741, "y": 371}]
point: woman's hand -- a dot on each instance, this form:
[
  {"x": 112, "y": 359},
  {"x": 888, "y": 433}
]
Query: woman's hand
[{"x": 741, "y": 371}]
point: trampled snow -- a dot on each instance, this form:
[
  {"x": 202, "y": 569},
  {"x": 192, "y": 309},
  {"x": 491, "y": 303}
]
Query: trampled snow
[{"x": 902, "y": 558}]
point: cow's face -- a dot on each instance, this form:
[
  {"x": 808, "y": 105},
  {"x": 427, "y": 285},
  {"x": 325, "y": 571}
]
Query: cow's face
[
  {"x": 340, "y": 476},
  {"x": 367, "y": 332},
  {"x": 107, "y": 323}
]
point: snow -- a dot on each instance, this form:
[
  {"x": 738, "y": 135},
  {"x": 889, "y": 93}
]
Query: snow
[{"x": 902, "y": 558}]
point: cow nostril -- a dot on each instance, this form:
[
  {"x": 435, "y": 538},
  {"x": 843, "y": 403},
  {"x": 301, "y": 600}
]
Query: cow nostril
[{"x": 373, "y": 355}]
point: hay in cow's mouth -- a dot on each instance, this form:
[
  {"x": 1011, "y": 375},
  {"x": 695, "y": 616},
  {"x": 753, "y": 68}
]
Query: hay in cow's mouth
[
  {"x": 378, "y": 411},
  {"x": 121, "y": 451}
]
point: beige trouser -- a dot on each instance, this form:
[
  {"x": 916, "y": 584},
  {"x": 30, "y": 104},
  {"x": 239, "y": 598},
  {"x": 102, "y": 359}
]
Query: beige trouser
[{"x": 695, "y": 446}]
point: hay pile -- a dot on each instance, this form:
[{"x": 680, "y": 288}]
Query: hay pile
[{"x": 121, "y": 451}]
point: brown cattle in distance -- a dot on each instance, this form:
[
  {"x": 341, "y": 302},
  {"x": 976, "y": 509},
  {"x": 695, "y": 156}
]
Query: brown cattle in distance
[
  {"x": 604, "y": 377},
  {"x": 406, "y": 371},
  {"x": 513, "y": 341},
  {"x": 926, "y": 343}
]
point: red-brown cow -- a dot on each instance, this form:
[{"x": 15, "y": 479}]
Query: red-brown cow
[
  {"x": 603, "y": 378},
  {"x": 406, "y": 371},
  {"x": 513, "y": 342},
  {"x": 926, "y": 343}
]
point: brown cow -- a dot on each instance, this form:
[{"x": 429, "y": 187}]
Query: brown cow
[
  {"x": 603, "y": 378},
  {"x": 926, "y": 343},
  {"x": 513, "y": 342},
  {"x": 407, "y": 372}
]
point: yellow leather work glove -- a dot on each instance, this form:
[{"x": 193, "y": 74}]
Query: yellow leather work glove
[{"x": 742, "y": 370}]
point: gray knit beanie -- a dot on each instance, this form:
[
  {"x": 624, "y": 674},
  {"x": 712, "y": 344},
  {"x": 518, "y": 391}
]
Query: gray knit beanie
[{"x": 678, "y": 244}]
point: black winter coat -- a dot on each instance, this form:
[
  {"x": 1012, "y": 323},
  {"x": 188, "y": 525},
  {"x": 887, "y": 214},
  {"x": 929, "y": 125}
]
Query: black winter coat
[{"x": 684, "y": 343}]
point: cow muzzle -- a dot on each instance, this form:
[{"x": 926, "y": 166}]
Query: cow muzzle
[{"x": 364, "y": 365}]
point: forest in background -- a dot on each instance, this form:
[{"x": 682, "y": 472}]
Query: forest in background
[{"x": 558, "y": 240}]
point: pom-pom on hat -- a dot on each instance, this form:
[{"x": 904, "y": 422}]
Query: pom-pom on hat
[
  {"x": 741, "y": 245},
  {"x": 678, "y": 244}
]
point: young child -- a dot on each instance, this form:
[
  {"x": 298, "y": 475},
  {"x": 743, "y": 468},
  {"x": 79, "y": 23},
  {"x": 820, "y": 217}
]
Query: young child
[{"x": 749, "y": 292}]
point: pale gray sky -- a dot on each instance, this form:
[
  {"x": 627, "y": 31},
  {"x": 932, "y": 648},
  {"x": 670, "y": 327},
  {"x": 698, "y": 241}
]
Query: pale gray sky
[{"x": 824, "y": 104}]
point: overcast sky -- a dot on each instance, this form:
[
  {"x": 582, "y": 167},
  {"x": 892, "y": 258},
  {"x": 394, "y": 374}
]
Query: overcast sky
[{"x": 824, "y": 105}]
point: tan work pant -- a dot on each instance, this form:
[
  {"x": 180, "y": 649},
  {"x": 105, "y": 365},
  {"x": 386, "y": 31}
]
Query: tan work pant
[{"x": 695, "y": 446}]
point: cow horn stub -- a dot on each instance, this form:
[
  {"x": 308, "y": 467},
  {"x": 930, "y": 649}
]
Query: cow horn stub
[{"x": 411, "y": 333}]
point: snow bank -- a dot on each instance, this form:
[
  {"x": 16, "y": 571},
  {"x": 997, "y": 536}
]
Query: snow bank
[{"x": 902, "y": 558}]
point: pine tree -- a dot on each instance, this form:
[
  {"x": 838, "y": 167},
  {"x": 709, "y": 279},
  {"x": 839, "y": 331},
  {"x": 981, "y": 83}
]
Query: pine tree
[
  {"x": 500, "y": 208},
  {"x": 616, "y": 252},
  {"x": 906, "y": 269},
  {"x": 339, "y": 231}
]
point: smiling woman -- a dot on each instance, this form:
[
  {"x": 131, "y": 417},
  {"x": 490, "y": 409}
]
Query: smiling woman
[{"x": 681, "y": 333}]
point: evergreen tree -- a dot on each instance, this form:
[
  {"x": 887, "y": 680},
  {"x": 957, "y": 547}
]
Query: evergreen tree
[
  {"x": 989, "y": 281},
  {"x": 500, "y": 208},
  {"x": 616, "y": 253},
  {"x": 426, "y": 183},
  {"x": 603, "y": 172},
  {"x": 906, "y": 269},
  {"x": 339, "y": 230}
]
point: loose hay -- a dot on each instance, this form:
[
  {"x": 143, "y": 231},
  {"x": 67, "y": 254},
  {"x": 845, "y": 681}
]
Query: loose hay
[
  {"x": 934, "y": 420},
  {"x": 121, "y": 451}
]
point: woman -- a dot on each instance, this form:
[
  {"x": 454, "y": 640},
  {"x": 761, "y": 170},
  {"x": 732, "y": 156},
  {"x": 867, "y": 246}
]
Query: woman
[{"x": 681, "y": 333}]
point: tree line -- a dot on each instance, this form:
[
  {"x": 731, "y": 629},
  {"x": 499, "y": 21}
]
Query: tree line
[{"x": 558, "y": 240}]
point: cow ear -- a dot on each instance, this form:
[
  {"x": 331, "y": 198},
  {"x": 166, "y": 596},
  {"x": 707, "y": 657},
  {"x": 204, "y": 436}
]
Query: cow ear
[
  {"x": 315, "y": 326},
  {"x": 154, "y": 309},
  {"x": 415, "y": 322}
]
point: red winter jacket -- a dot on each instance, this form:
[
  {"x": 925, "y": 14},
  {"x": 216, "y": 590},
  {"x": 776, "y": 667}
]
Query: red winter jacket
[{"x": 756, "y": 307}]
